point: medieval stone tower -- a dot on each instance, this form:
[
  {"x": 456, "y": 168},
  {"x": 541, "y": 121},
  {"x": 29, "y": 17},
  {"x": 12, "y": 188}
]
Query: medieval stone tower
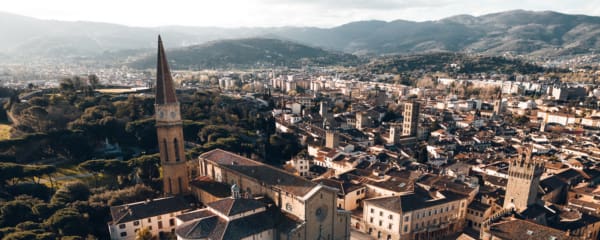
[
  {"x": 523, "y": 180},
  {"x": 498, "y": 104},
  {"x": 169, "y": 129},
  {"x": 411, "y": 119}
]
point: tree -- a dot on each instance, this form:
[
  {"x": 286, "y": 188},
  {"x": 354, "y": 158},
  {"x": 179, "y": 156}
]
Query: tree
[
  {"x": 68, "y": 221},
  {"x": 111, "y": 166},
  {"x": 147, "y": 166},
  {"x": 15, "y": 212},
  {"x": 93, "y": 81},
  {"x": 21, "y": 235},
  {"x": 71, "y": 192},
  {"x": 145, "y": 234}
]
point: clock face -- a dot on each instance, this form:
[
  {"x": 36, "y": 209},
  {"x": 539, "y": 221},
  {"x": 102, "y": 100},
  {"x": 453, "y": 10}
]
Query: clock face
[{"x": 321, "y": 213}]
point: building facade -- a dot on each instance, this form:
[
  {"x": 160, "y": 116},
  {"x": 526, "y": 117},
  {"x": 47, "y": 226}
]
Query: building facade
[
  {"x": 156, "y": 215},
  {"x": 415, "y": 216}
]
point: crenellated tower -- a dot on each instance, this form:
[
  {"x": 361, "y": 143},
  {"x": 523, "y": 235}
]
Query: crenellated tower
[
  {"x": 523, "y": 180},
  {"x": 169, "y": 129}
]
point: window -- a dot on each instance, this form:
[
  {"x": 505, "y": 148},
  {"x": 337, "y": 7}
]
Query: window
[
  {"x": 380, "y": 223},
  {"x": 159, "y": 225},
  {"x": 136, "y": 223},
  {"x": 406, "y": 218},
  {"x": 371, "y": 220},
  {"x": 123, "y": 234},
  {"x": 391, "y": 217},
  {"x": 150, "y": 228},
  {"x": 357, "y": 193},
  {"x": 405, "y": 228},
  {"x": 166, "y": 150},
  {"x": 380, "y": 213},
  {"x": 372, "y": 210},
  {"x": 390, "y": 226},
  {"x": 121, "y": 226},
  {"x": 176, "y": 144},
  {"x": 149, "y": 220},
  {"x": 171, "y": 222}
]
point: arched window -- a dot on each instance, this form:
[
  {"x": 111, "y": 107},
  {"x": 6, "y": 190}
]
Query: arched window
[
  {"x": 166, "y": 150},
  {"x": 176, "y": 144},
  {"x": 180, "y": 185}
]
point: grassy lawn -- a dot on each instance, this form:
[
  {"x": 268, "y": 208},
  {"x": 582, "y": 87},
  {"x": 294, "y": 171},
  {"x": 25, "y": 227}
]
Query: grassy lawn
[{"x": 5, "y": 131}]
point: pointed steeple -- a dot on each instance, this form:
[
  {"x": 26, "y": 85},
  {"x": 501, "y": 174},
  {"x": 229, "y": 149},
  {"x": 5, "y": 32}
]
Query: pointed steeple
[{"x": 165, "y": 91}]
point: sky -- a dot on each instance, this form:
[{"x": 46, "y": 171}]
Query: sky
[{"x": 273, "y": 13}]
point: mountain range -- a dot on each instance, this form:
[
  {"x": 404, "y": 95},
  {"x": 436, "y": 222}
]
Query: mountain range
[
  {"x": 518, "y": 32},
  {"x": 248, "y": 53}
]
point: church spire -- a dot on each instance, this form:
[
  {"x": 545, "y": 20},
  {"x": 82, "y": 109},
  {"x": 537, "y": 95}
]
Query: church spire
[{"x": 165, "y": 91}]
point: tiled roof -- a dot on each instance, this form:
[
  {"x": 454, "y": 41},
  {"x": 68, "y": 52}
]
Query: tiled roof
[
  {"x": 145, "y": 209},
  {"x": 213, "y": 227},
  {"x": 517, "y": 229},
  {"x": 232, "y": 206},
  {"x": 215, "y": 188},
  {"x": 478, "y": 206},
  {"x": 344, "y": 187},
  {"x": 414, "y": 201},
  {"x": 261, "y": 172}
]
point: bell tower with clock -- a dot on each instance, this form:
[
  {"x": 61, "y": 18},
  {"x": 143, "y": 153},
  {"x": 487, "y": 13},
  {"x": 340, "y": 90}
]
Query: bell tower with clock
[{"x": 169, "y": 129}]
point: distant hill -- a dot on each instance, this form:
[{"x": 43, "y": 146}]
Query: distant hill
[
  {"x": 452, "y": 62},
  {"x": 517, "y": 32},
  {"x": 248, "y": 52}
]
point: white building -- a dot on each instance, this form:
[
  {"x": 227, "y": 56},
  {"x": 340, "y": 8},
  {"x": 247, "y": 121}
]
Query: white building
[{"x": 157, "y": 215}]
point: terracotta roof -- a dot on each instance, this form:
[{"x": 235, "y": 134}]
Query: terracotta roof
[
  {"x": 233, "y": 206},
  {"x": 344, "y": 187},
  {"x": 217, "y": 189},
  {"x": 165, "y": 91},
  {"x": 145, "y": 209},
  {"x": 414, "y": 201},
  {"x": 207, "y": 225},
  {"x": 521, "y": 229},
  {"x": 260, "y": 172}
]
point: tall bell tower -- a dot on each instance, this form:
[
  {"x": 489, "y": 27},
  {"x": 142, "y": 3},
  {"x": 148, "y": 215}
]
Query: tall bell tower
[
  {"x": 169, "y": 129},
  {"x": 523, "y": 180}
]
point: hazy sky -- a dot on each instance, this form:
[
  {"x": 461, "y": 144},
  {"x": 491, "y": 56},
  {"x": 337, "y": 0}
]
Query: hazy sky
[{"x": 235, "y": 13}]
